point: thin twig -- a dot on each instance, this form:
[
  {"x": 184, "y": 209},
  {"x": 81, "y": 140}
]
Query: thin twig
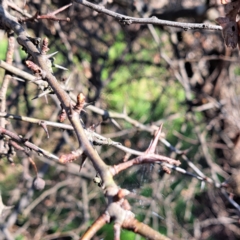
[
  {"x": 99, "y": 223},
  {"x": 126, "y": 20},
  {"x": 28, "y": 144},
  {"x": 5, "y": 83}
]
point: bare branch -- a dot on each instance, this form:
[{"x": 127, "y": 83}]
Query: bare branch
[
  {"x": 5, "y": 83},
  {"x": 143, "y": 229},
  {"x": 49, "y": 16},
  {"x": 25, "y": 142},
  {"x": 126, "y": 20},
  {"x": 98, "y": 224}
]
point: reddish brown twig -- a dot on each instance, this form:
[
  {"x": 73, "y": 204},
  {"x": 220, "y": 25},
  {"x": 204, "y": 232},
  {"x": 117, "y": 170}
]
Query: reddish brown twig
[
  {"x": 35, "y": 68},
  {"x": 148, "y": 157},
  {"x": 58, "y": 11},
  {"x": 33, "y": 164},
  {"x": 49, "y": 16},
  {"x": 142, "y": 229},
  {"x": 67, "y": 158},
  {"x": 145, "y": 158},
  {"x": 16, "y": 146},
  {"x": 99, "y": 223}
]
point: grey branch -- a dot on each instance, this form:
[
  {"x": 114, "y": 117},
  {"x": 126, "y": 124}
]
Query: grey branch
[{"x": 126, "y": 20}]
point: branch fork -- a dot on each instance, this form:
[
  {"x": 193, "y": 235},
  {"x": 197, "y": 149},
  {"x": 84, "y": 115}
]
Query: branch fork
[{"x": 148, "y": 156}]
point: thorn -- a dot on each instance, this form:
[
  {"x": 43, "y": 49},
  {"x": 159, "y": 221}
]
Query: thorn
[
  {"x": 67, "y": 80},
  {"x": 19, "y": 79},
  {"x": 88, "y": 104},
  {"x": 34, "y": 98},
  {"x": 153, "y": 144},
  {"x": 115, "y": 123},
  {"x": 44, "y": 126},
  {"x": 48, "y": 91},
  {"x": 51, "y": 55},
  {"x": 61, "y": 9},
  {"x": 84, "y": 158},
  {"x": 60, "y": 67}
]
